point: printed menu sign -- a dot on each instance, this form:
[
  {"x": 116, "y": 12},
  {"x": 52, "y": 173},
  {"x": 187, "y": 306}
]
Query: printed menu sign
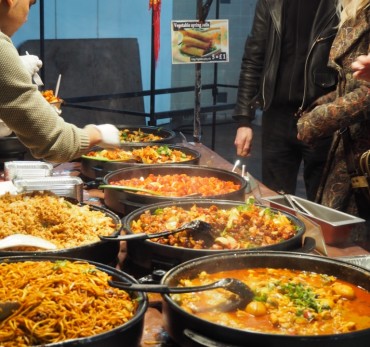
[{"x": 195, "y": 42}]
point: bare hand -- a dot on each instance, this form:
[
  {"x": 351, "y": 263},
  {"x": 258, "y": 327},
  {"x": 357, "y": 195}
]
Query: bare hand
[
  {"x": 361, "y": 67},
  {"x": 243, "y": 141}
]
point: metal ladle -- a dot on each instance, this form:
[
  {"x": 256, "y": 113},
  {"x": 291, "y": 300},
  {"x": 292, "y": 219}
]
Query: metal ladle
[
  {"x": 133, "y": 189},
  {"x": 142, "y": 190},
  {"x": 244, "y": 292},
  {"x": 201, "y": 230}
]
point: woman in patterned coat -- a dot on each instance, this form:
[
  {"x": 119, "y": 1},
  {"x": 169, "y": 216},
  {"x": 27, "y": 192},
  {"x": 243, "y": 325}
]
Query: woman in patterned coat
[{"x": 348, "y": 106}]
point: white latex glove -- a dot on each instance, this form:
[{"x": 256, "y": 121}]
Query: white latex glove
[
  {"x": 32, "y": 63},
  {"x": 110, "y": 136},
  {"x": 57, "y": 109},
  {"x": 4, "y": 130}
]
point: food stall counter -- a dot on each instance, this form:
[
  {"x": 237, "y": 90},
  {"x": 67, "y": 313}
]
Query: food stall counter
[{"x": 154, "y": 334}]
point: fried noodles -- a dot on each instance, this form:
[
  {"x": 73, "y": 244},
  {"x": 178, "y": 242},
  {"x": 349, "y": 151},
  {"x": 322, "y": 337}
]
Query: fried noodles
[{"x": 59, "y": 301}]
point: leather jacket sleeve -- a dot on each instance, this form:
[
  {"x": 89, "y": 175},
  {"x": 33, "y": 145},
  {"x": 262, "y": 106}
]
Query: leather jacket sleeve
[{"x": 252, "y": 67}]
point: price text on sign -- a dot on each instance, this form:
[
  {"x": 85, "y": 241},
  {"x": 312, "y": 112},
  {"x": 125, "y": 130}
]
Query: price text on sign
[{"x": 195, "y": 42}]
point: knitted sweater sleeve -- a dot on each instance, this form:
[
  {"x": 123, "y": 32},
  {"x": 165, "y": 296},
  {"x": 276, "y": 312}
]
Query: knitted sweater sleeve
[{"x": 25, "y": 111}]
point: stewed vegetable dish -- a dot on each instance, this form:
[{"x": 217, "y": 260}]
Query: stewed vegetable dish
[
  {"x": 146, "y": 155},
  {"x": 288, "y": 302},
  {"x": 127, "y": 135}
]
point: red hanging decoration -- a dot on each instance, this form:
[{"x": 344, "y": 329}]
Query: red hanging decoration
[{"x": 155, "y": 6}]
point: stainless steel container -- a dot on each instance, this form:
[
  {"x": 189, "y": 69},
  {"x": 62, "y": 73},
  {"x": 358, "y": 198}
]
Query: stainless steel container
[
  {"x": 66, "y": 186},
  {"x": 336, "y": 226},
  {"x": 26, "y": 169}
]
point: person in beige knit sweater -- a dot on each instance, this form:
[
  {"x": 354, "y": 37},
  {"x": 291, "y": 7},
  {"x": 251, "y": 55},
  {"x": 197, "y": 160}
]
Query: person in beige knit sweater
[{"x": 25, "y": 111}]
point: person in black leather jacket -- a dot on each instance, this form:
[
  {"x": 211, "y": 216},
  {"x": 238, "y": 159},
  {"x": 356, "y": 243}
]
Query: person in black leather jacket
[{"x": 284, "y": 69}]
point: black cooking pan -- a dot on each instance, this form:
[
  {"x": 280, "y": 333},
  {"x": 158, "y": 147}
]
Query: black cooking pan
[
  {"x": 124, "y": 202},
  {"x": 97, "y": 169},
  {"x": 180, "y": 324},
  {"x": 130, "y": 332},
  {"x": 99, "y": 251},
  {"x": 167, "y": 135},
  {"x": 11, "y": 144},
  {"x": 153, "y": 255},
  {"x": 11, "y": 149}
]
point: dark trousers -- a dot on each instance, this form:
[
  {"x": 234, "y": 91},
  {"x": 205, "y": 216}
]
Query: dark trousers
[{"x": 283, "y": 153}]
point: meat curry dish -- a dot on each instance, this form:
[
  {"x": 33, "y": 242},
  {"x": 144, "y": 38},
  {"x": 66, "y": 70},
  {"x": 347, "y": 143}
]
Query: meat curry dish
[
  {"x": 241, "y": 227},
  {"x": 179, "y": 185}
]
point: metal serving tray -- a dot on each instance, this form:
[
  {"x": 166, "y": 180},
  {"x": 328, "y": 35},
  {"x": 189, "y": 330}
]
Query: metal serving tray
[
  {"x": 66, "y": 186},
  {"x": 359, "y": 260},
  {"x": 335, "y": 225},
  {"x": 26, "y": 169}
]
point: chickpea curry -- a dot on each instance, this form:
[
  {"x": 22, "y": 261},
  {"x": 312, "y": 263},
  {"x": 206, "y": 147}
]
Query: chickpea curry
[{"x": 288, "y": 302}]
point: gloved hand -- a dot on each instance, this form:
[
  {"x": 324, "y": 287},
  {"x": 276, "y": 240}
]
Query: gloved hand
[
  {"x": 32, "y": 63},
  {"x": 4, "y": 130},
  {"x": 110, "y": 136},
  {"x": 57, "y": 109}
]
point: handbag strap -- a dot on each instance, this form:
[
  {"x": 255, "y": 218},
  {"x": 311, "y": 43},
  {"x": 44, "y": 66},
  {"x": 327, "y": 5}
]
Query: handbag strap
[
  {"x": 358, "y": 180},
  {"x": 350, "y": 160},
  {"x": 365, "y": 163}
]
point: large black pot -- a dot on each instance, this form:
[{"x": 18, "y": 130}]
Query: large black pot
[
  {"x": 168, "y": 136},
  {"x": 152, "y": 255},
  {"x": 100, "y": 251},
  {"x": 97, "y": 169},
  {"x": 179, "y": 323},
  {"x": 11, "y": 149},
  {"x": 11, "y": 144},
  {"x": 124, "y": 202},
  {"x": 128, "y": 334}
]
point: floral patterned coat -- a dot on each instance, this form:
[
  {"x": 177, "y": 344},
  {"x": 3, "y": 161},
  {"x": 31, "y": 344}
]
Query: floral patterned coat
[{"x": 348, "y": 106}]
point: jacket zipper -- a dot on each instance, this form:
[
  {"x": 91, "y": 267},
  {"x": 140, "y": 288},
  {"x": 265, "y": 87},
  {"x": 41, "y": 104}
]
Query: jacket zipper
[{"x": 300, "y": 110}]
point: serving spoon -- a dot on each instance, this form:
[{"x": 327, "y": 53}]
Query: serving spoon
[
  {"x": 143, "y": 190},
  {"x": 202, "y": 230},
  {"x": 19, "y": 240},
  {"x": 133, "y": 189},
  {"x": 244, "y": 292}
]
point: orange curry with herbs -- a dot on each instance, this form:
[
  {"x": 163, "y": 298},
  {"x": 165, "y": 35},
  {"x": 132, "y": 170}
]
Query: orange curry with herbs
[{"x": 287, "y": 302}]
